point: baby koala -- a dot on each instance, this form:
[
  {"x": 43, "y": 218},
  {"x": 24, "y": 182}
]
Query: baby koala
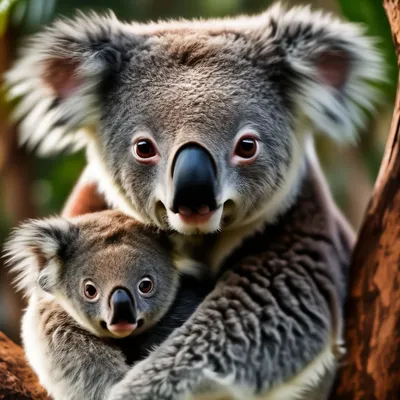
[{"x": 91, "y": 280}]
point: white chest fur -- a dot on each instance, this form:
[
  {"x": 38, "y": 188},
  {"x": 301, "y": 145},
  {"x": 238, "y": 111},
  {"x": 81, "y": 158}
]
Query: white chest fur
[{"x": 36, "y": 351}]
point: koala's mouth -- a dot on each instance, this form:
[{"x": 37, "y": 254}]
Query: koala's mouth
[
  {"x": 186, "y": 216},
  {"x": 225, "y": 211},
  {"x": 191, "y": 222},
  {"x": 196, "y": 223},
  {"x": 122, "y": 328},
  {"x": 202, "y": 216}
]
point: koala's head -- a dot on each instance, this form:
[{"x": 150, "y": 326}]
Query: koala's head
[
  {"x": 108, "y": 272},
  {"x": 196, "y": 126}
]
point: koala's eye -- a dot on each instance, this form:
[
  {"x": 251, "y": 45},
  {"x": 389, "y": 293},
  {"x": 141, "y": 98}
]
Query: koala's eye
[
  {"x": 246, "y": 150},
  {"x": 145, "y": 151},
  {"x": 90, "y": 291},
  {"x": 146, "y": 286}
]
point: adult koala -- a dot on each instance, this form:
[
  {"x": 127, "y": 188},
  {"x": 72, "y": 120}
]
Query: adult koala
[{"x": 204, "y": 128}]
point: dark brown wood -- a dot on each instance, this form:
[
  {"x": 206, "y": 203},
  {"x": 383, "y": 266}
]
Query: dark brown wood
[
  {"x": 17, "y": 380},
  {"x": 371, "y": 370}
]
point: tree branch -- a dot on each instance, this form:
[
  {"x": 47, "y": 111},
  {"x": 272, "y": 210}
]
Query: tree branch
[
  {"x": 15, "y": 185},
  {"x": 372, "y": 329},
  {"x": 18, "y": 381}
]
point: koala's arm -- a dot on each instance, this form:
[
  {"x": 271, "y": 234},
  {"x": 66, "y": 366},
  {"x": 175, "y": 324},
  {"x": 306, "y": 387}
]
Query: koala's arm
[
  {"x": 85, "y": 197},
  {"x": 70, "y": 362},
  {"x": 266, "y": 323}
]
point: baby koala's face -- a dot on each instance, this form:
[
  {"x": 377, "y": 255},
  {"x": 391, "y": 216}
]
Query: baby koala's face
[
  {"x": 118, "y": 278},
  {"x": 112, "y": 275}
]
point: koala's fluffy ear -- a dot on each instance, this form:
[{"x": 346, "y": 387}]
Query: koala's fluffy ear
[
  {"x": 35, "y": 252},
  {"x": 330, "y": 65},
  {"x": 59, "y": 77}
]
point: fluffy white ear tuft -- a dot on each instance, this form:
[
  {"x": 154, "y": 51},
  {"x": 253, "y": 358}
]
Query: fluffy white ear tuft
[
  {"x": 333, "y": 66},
  {"x": 58, "y": 79},
  {"x": 33, "y": 250}
]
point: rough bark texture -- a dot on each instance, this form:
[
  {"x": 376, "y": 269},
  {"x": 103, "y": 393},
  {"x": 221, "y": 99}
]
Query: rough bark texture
[
  {"x": 372, "y": 366},
  {"x": 17, "y": 381}
]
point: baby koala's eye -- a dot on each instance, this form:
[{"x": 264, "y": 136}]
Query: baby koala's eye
[
  {"x": 146, "y": 286},
  {"x": 90, "y": 291}
]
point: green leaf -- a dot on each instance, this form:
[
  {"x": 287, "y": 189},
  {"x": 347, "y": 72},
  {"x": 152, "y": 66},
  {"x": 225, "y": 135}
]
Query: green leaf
[
  {"x": 5, "y": 7},
  {"x": 371, "y": 14}
]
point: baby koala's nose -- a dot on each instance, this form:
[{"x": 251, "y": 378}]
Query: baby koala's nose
[{"x": 123, "y": 314}]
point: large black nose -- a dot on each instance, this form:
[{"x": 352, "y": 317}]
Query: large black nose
[
  {"x": 122, "y": 307},
  {"x": 194, "y": 180}
]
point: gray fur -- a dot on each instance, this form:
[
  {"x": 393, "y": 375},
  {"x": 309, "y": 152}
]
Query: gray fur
[
  {"x": 109, "y": 248},
  {"x": 71, "y": 362},
  {"x": 63, "y": 334},
  {"x": 268, "y": 319}
]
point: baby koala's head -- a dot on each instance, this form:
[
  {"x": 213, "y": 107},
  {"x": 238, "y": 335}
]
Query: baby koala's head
[{"x": 111, "y": 274}]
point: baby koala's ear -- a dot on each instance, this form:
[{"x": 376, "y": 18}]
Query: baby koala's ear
[{"x": 36, "y": 250}]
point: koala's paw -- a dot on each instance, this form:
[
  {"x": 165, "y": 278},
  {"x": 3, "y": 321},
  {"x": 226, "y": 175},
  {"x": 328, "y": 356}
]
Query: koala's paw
[{"x": 145, "y": 383}]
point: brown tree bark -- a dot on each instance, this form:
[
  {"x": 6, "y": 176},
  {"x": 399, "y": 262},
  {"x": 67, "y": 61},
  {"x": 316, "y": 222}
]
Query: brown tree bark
[
  {"x": 16, "y": 188},
  {"x": 18, "y": 382},
  {"x": 371, "y": 370}
]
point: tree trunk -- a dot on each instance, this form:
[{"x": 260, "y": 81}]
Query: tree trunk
[
  {"x": 16, "y": 189},
  {"x": 18, "y": 382},
  {"x": 371, "y": 370}
]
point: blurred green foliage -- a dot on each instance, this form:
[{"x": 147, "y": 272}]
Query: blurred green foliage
[
  {"x": 371, "y": 14},
  {"x": 5, "y": 8},
  {"x": 55, "y": 177}
]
